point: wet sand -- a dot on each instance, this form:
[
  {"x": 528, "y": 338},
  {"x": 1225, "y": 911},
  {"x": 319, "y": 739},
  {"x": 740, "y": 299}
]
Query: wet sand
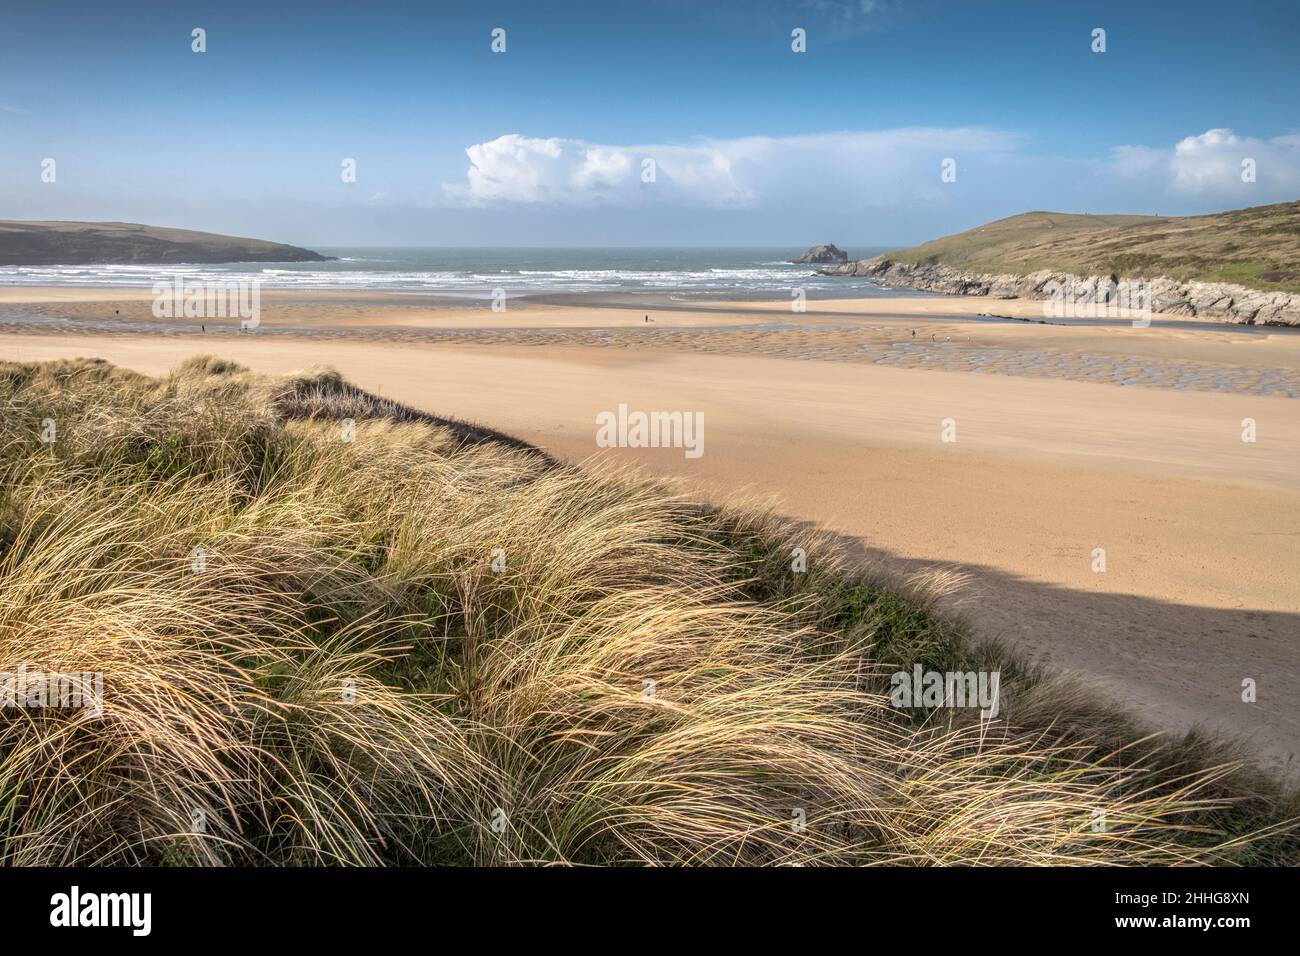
[
  {"x": 1201, "y": 530},
  {"x": 919, "y": 332}
]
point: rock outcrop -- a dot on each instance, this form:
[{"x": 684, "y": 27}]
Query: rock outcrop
[
  {"x": 823, "y": 253},
  {"x": 1220, "y": 301}
]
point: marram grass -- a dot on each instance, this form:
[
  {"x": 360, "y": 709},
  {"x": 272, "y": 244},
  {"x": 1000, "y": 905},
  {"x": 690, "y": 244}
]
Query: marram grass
[{"x": 431, "y": 644}]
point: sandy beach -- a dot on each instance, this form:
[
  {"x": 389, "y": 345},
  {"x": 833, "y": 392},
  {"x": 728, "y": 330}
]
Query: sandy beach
[{"x": 1069, "y": 438}]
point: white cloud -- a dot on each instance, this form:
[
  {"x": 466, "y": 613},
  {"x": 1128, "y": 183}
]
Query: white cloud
[
  {"x": 746, "y": 172},
  {"x": 893, "y": 167},
  {"x": 1210, "y": 165}
]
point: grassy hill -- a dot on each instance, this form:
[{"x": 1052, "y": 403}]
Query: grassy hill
[
  {"x": 1257, "y": 247},
  {"x": 333, "y": 629},
  {"x": 111, "y": 243}
]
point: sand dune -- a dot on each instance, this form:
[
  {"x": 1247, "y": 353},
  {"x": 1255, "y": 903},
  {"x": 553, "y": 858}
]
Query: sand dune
[{"x": 1201, "y": 531}]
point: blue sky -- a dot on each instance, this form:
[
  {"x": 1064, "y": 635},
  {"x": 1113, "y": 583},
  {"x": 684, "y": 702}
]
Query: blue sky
[{"x": 753, "y": 143}]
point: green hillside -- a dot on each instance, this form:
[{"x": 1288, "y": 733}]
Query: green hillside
[
  {"x": 1257, "y": 247},
  {"x": 88, "y": 243}
]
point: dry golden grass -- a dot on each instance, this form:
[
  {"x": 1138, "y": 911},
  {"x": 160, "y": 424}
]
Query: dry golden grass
[{"x": 345, "y": 677}]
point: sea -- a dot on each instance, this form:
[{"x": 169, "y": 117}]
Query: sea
[{"x": 736, "y": 273}]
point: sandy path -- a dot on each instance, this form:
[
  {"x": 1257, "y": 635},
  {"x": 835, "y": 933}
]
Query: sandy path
[{"x": 1201, "y": 531}]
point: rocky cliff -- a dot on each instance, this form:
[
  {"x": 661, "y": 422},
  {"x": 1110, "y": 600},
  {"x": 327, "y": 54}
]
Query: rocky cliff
[{"x": 1221, "y": 301}]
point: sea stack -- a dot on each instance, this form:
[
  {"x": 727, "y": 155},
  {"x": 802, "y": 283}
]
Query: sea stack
[{"x": 824, "y": 253}]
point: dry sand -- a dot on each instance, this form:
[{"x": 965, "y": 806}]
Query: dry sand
[{"x": 1201, "y": 530}]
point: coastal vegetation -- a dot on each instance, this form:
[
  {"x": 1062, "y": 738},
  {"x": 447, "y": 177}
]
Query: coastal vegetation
[
  {"x": 24, "y": 243},
  {"x": 1258, "y": 247},
  {"x": 333, "y": 629}
]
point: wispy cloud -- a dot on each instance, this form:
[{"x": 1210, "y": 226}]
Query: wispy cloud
[{"x": 848, "y": 11}]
